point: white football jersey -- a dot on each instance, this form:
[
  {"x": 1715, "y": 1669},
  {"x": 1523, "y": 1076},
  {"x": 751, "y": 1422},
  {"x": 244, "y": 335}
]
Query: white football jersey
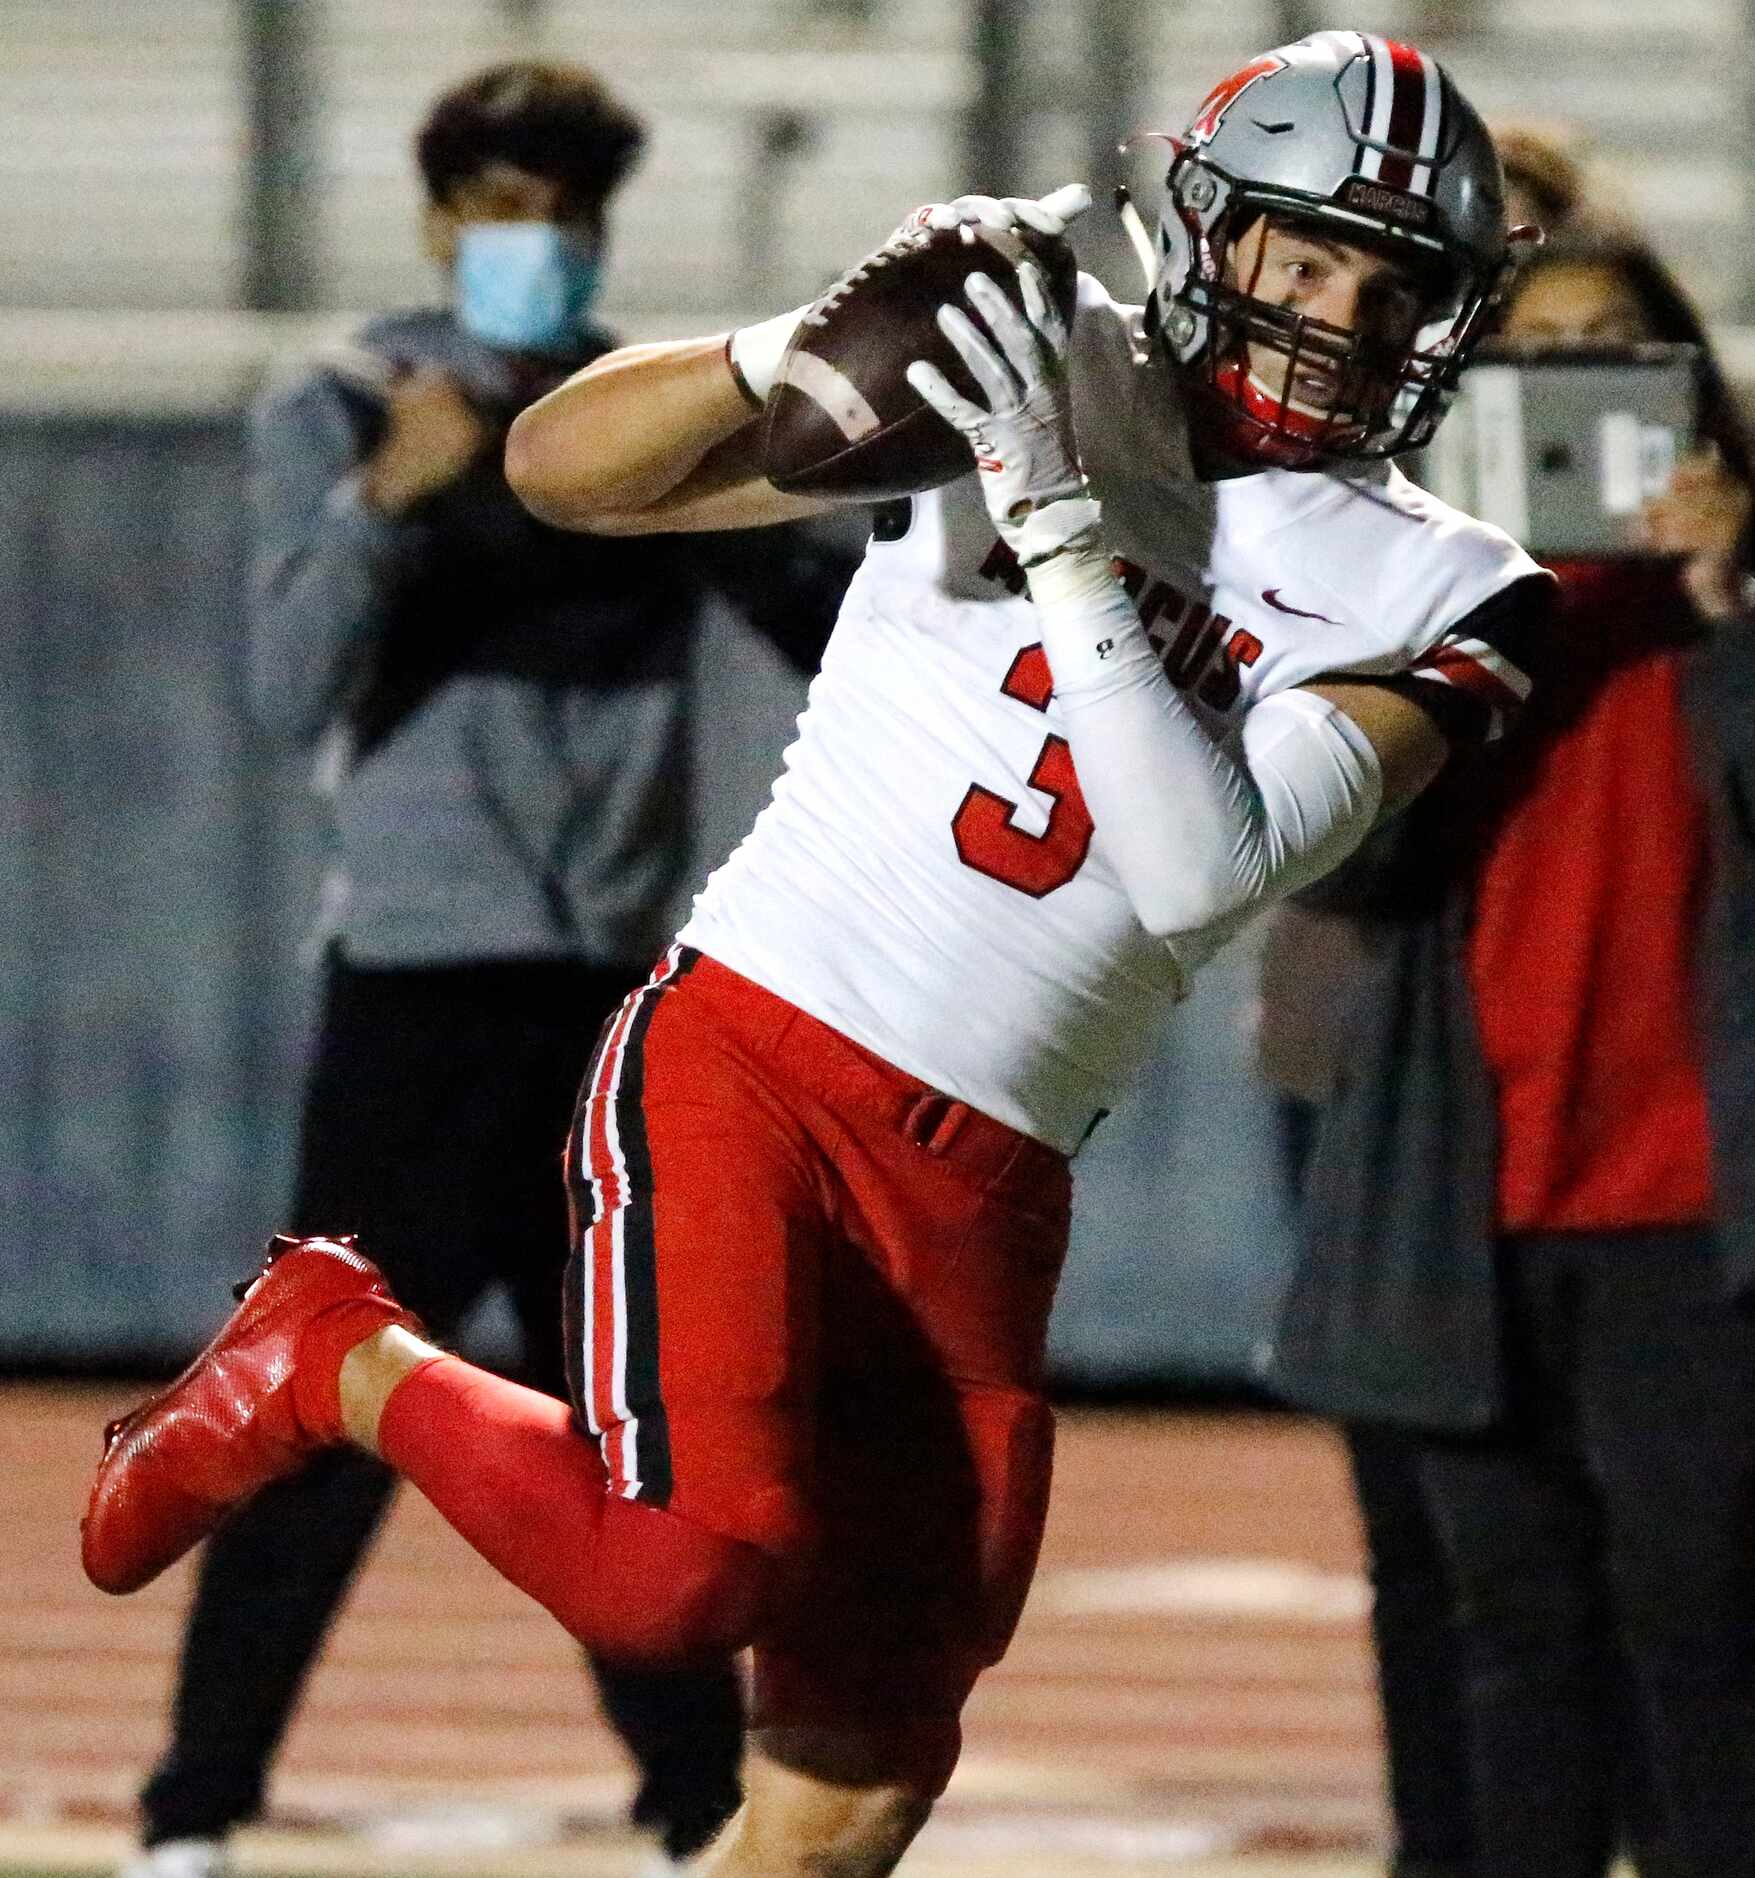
[{"x": 926, "y": 878}]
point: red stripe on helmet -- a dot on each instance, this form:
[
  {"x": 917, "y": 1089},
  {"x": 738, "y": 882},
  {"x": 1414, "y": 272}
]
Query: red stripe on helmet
[
  {"x": 1226, "y": 93},
  {"x": 1407, "y": 113}
]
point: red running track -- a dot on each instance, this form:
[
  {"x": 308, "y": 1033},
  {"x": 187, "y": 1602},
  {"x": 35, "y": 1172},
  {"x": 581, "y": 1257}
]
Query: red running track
[{"x": 1191, "y": 1678}]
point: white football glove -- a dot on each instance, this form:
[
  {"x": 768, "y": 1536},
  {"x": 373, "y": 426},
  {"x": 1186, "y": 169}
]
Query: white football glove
[
  {"x": 1048, "y": 215},
  {"x": 1022, "y": 435}
]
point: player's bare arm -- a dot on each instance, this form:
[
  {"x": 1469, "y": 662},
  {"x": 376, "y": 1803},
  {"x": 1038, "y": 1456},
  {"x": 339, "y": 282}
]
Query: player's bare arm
[
  {"x": 664, "y": 438},
  {"x": 648, "y": 439},
  {"x": 1409, "y": 746}
]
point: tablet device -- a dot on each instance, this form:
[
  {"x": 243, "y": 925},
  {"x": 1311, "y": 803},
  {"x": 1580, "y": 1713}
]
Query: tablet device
[{"x": 1560, "y": 446}]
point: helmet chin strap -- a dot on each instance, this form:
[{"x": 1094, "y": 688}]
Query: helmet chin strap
[
  {"x": 1261, "y": 395},
  {"x": 1267, "y": 427},
  {"x": 1286, "y": 421}
]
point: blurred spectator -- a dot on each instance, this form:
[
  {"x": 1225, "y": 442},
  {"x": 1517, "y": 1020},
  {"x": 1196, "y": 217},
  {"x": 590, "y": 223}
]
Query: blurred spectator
[
  {"x": 1530, "y": 1221},
  {"x": 1612, "y": 289},
  {"x": 1315, "y": 957},
  {"x": 1545, "y": 178},
  {"x": 1313, "y": 960},
  {"x": 505, "y": 710}
]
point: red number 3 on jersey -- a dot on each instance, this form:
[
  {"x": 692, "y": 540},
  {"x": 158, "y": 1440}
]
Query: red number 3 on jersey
[{"x": 986, "y": 837}]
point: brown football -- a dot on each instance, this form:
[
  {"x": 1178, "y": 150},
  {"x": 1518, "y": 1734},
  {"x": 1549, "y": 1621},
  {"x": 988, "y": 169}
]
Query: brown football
[{"x": 842, "y": 419}]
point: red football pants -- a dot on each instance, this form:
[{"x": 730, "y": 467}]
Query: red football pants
[{"x": 807, "y": 1310}]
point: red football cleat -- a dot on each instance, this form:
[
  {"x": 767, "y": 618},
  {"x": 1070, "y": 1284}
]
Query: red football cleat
[{"x": 228, "y": 1425}]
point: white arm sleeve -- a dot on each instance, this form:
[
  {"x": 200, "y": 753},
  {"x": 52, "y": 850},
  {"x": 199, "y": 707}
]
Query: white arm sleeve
[{"x": 1196, "y": 829}]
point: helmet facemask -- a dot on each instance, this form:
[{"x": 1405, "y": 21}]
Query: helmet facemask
[{"x": 1285, "y": 387}]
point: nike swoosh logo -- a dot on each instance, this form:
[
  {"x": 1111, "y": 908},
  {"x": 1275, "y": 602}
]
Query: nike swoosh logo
[{"x": 1272, "y": 596}]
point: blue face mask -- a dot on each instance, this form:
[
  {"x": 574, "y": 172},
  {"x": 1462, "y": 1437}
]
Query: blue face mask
[{"x": 523, "y": 286}]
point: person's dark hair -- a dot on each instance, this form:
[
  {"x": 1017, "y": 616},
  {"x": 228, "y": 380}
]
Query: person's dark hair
[
  {"x": 1545, "y": 164},
  {"x": 1670, "y": 317},
  {"x": 554, "y": 119}
]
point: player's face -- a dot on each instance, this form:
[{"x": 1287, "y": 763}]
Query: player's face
[
  {"x": 1576, "y": 303},
  {"x": 1376, "y": 297}
]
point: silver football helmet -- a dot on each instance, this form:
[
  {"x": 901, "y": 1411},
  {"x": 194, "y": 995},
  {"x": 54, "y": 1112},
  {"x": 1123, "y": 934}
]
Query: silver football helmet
[{"x": 1370, "y": 141}]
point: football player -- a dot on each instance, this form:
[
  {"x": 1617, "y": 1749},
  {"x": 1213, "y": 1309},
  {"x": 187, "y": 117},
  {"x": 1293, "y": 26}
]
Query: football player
[{"x": 1172, "y": 648}]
